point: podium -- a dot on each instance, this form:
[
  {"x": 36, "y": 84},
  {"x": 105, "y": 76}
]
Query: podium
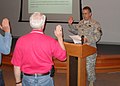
[{"x": 81, "y": 52}]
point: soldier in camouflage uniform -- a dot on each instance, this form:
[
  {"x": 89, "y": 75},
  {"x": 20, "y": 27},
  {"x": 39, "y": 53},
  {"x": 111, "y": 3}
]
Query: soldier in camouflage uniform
[{"x": 91, "y": 31}]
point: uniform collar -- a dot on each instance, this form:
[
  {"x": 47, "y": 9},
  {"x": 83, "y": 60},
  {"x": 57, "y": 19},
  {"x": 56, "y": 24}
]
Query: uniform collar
[{"x": 86, "y": 21}]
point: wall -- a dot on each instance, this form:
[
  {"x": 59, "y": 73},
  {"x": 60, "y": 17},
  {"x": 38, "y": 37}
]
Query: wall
[{"x": 109, "y": 19}]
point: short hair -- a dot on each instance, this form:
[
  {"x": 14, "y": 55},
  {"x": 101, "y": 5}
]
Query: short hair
[
  {"x": 87, "y": 8},
  {"x": 37, "y": 20}
]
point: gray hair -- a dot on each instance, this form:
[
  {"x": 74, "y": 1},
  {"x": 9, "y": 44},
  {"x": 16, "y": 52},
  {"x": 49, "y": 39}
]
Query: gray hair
[{"x": 37, "y": 20}]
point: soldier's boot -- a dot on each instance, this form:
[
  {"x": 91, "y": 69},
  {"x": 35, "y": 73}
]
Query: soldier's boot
[{"x": 91, "y": 83}]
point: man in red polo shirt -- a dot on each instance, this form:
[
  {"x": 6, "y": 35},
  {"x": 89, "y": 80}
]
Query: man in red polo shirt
[{"x": 33, "y": 54}]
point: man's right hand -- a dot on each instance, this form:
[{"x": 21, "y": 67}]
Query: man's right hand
[
  {"x": 5, "y": 25},
  {"x": 58, "y": 31},
  {"x": 59, "y": 34},
  {"x": 70, "y": 20}
]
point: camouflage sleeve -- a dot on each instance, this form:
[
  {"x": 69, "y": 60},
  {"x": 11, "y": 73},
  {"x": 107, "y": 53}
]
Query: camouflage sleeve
[
  {"x": 96, "y": 34},
  {"x": 73, "y": 29}
]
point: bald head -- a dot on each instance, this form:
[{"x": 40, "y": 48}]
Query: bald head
[{"x": 37, "y": 20}]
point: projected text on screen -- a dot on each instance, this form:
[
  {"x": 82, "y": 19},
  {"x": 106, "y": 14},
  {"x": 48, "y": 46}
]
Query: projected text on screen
[{"x": 50, "y": 6}]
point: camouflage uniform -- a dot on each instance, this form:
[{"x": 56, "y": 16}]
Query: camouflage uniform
[{"x": 92, "y": 31}]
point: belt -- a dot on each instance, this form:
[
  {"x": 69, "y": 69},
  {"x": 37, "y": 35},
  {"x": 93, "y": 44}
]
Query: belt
[{"x": 37, "y": 74}]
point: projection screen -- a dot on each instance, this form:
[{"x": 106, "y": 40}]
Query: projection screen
[{"x": 56, "y": 10}]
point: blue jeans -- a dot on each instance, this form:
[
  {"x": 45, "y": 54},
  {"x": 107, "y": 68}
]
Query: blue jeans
[
  {"x": 45, "y": 80},
  {"x": 1, "y": 79}
]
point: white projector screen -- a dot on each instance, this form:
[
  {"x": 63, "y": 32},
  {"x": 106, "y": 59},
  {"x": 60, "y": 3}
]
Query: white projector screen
[
  {"x": 56, "y": 10},
  {"x": 50, "y": 6}
]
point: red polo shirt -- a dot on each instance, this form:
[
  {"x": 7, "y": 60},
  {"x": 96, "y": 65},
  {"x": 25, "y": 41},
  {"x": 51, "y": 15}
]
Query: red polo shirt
[{"x": 33, "y": 52}]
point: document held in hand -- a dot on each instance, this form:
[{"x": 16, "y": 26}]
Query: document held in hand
[{"x": 76, "y": 39}]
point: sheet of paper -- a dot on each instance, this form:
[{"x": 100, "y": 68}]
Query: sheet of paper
[{"x": 76, "y": 38}]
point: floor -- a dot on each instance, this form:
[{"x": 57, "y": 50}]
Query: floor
[{"x": 103, "y": 79}]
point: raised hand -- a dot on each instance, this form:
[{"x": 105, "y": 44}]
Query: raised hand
[
  {"x": 58, "y": 31},
  {"x": 5, "y": 26},
  {"x": 70, "y": 20},
  {"x": 59, "y": 34}
]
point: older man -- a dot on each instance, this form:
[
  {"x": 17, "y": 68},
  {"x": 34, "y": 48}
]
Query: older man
[
  {"x": 5, "y": 43},
  {"x": 33, "y": 54},
  {"x": 91, "y": 30}
]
